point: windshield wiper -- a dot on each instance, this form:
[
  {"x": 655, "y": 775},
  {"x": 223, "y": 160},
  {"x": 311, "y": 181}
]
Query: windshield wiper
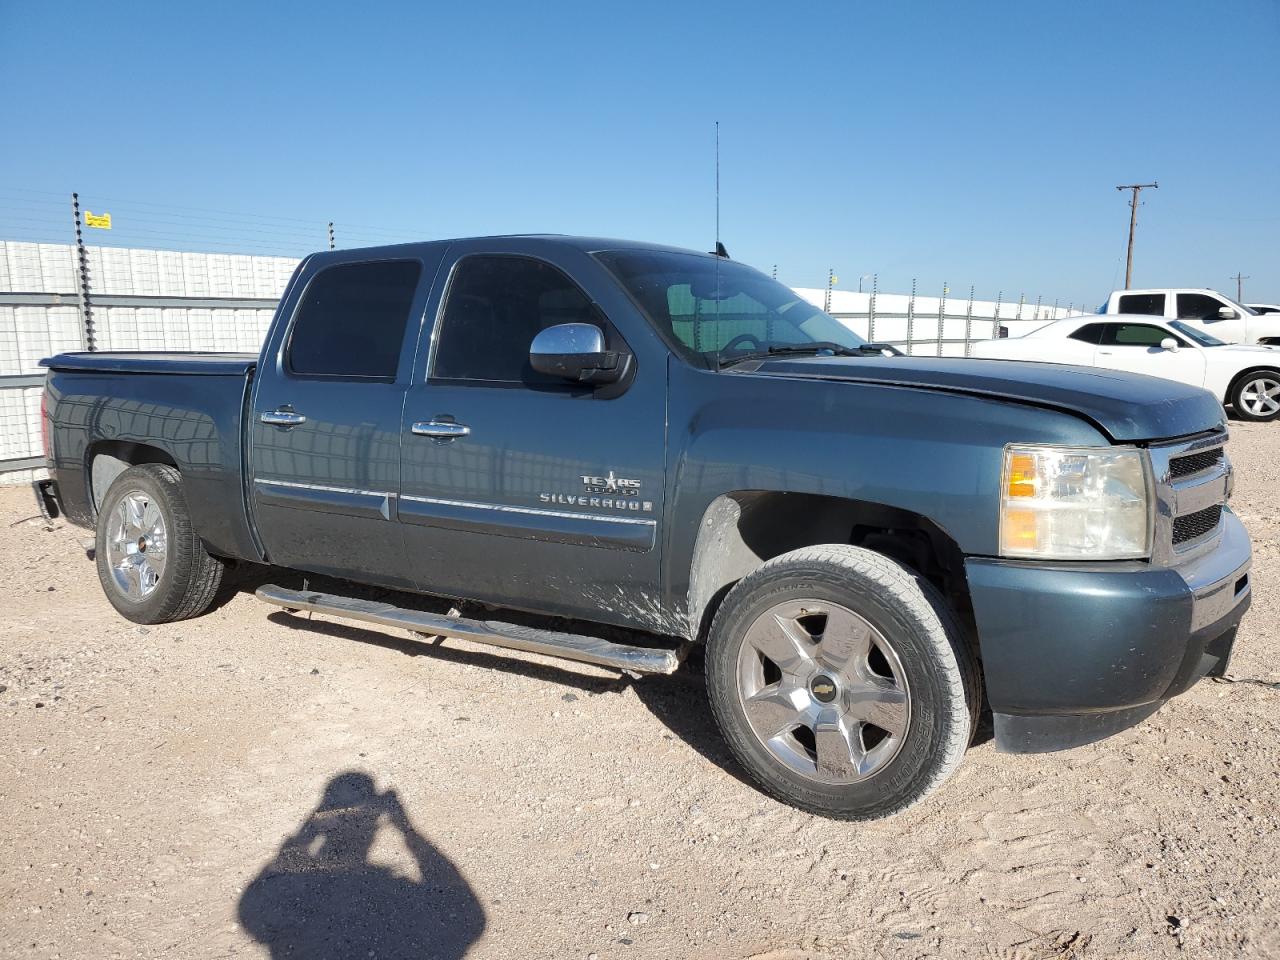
[{"x": 817, "y": 348}]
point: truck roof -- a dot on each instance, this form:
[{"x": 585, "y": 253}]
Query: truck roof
[
  {"x": 586, "y": 244},
  {"x": 1166, "y": 290}
]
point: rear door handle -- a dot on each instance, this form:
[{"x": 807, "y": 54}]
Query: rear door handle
[
  {"x": 440, "y": 429},
  {"x": 282, "y": 418}
]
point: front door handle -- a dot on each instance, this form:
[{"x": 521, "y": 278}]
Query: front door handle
[
  {"x": 440, "y": 429},
  {"x": 282, "y": 418}
]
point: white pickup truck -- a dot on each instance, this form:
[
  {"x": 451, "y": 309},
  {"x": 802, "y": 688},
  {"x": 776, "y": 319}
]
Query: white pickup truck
[{"x": 1218, "y": 314}]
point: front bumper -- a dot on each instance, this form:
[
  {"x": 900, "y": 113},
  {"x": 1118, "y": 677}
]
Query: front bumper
[{"x": 1074, "y": 652}]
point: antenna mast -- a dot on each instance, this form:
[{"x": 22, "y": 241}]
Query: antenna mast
[{"x": 717, "y": 185}]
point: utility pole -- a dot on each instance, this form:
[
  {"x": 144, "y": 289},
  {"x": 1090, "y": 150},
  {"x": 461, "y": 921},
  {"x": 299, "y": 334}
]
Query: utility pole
[
  {"x": 1137, "y": 188},
  {"x": 1240, "y": 279}
]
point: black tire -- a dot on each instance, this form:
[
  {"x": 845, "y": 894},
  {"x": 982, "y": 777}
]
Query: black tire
[
  {"x": 1236, "y": 396},
  {"x": 930, "y": 650},
  {"x": 190, "y": 577}
]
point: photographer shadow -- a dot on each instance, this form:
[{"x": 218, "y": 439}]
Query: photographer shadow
[{"x": 320, "y": 898}]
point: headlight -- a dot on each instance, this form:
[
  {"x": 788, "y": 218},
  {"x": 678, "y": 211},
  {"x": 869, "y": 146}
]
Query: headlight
[{"x": 1075, "y": 503}]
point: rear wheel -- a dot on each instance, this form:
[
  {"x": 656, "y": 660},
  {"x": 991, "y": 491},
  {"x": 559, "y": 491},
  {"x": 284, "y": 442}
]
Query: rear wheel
[
  {"x": 841, "y": 682},
  {"x": 1256, "y": 395},
  {"x": 152, "y": 566}
]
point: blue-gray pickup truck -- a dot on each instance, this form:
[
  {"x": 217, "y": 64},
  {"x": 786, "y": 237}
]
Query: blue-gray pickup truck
[{"x": 874, "y": 548}]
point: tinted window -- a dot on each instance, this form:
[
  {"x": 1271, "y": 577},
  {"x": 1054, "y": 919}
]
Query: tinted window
[
  {"x": 1148, "y": 303},
  {"x": 1089, "y": 333},
  {"x": 351, "y": 320},
  {"x": 1135, "y": 335},
  {"x": 495, "y": 307},
  {"x": 1198, "y": 306}
]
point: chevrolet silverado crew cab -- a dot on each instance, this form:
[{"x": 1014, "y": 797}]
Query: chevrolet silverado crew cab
[
  {"x": 559, "y": 437},
  {"x": 1214, "y": 312}
]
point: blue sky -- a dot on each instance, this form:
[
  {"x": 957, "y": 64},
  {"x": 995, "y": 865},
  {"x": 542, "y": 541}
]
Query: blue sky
[{"x": 950, "y": 142}]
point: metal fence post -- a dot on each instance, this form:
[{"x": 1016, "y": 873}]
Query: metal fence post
[
  {"x": 831, "y": 279},
  {"x": 911, "y": 316},
  {"x": 1037, "y": 313},
  {"x": 871, "y": 308},
  {"x": 82, "y": 265},
  {"x": 968, "y": 324},
  {"x": 331, "y": 243},
  {"x": 995, "y": 322},
  {"x": 942, "y": 304}
]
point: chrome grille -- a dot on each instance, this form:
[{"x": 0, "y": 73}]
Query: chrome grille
[
  {"x": 1194, "y": 463},
  {"x": 1193, "y": 526},
  {"x": 1191, "y": 480}
]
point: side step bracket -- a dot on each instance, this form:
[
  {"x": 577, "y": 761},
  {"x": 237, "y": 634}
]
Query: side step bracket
[{"x": 567, "y": 646}]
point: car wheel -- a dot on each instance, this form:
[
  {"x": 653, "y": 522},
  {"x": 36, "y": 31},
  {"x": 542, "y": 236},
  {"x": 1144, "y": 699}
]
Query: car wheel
[
  {"x": 1256, "y": 395},
  {"x": 841, "y": 682},
  {"x": 152, "y": 565}
]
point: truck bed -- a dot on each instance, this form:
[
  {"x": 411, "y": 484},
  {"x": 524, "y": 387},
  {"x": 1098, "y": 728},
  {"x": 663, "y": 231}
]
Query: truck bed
[{"x": 185, "y": 407}]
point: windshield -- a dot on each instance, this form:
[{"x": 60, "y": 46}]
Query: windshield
[
  {"x": 711, "y": 310},
  {"x": 1196, "y": 334}
]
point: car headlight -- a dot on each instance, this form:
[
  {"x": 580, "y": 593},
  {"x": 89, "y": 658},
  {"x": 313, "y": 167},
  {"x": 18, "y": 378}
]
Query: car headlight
[{"x": 1075, "y": 503}]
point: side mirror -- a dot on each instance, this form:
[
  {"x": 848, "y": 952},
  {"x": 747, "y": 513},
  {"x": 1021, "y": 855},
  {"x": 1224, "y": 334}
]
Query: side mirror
[
  {"x": 1226, "y": 313},
  {"x": 576, "y": 351},
  {"x": 1170, "y": 344}
]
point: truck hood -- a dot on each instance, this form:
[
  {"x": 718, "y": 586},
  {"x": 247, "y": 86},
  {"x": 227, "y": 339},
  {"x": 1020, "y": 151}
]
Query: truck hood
[{"x": 1125, "y": 406}]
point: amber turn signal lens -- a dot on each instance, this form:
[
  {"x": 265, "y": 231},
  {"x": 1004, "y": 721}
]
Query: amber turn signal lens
[
  {"x": 1022, "y": 529},
  {"x": 1022, "y": 475}
]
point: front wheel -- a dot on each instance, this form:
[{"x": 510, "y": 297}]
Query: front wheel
[
  {"x": 841, "y": 682},
  {"x": 152, "y": 565},
  {"x": 1256, "y": 396}
]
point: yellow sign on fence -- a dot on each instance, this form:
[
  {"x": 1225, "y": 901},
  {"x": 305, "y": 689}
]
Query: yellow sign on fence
[{"x": 100, "y": 220}]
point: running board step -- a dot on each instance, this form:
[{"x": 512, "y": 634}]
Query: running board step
[{"x": 568, "y": 646}]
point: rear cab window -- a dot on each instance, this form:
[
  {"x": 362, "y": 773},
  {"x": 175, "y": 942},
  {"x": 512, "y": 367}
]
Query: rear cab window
[
  {"x": 1151, "y": 304},
  {"x": 351, "y": 320},
  {"x": 1090, "y": 333}
]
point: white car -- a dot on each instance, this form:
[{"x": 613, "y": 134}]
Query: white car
[
  {"x": 1245, "y": 377},
  {"x": 1208, "y": 310}
]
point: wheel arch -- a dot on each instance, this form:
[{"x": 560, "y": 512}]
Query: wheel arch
[
  {"x": 741, "y": 530},
  {"x": 1249, "y": 371},
  {"x": 107, "y": 459}
]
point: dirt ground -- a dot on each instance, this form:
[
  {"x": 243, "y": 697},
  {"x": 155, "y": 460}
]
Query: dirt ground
[{"x": 238, "y": 783}]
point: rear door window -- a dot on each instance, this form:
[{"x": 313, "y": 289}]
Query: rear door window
[
  {"x": 1151, "y": 304},
  {"x": 351, "y": 321}
]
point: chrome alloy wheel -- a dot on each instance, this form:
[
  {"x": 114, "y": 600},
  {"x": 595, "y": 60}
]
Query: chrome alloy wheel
[
  {"x": 823, "y": 691},
  {"x": 1261, "y": 396},
  {"x": 137, "y": 545}
]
